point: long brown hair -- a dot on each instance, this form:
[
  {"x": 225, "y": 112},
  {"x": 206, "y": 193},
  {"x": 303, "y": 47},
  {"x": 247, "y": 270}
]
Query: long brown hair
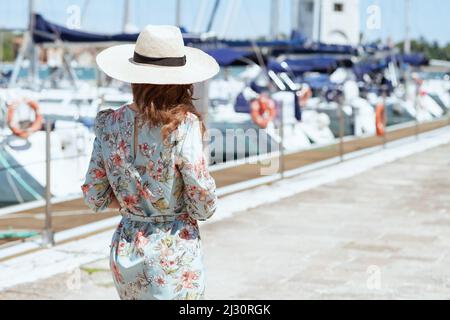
[{"x": 164, "y": 105}]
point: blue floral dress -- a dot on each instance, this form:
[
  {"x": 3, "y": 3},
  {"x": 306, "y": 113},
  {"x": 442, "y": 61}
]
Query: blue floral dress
[{"x": 163, "y": 190}]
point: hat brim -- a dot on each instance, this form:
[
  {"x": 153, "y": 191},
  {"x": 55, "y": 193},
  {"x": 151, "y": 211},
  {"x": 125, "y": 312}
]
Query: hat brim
[{"x": 117, "y": 63}]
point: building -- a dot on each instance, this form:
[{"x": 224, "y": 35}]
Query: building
[{"x": 328, "y": 21}]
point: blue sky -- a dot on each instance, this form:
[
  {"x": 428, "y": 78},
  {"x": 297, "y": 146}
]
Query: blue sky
[{"x": 429, "y": 17}]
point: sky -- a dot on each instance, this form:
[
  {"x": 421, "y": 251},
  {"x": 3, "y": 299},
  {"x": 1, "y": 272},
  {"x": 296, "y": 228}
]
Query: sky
[{"x": 429, "y": 18}]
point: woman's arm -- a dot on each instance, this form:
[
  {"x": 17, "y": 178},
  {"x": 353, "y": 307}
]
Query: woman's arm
[
  {"x": 97, "y": 191},
  {"x": 199, "y": 194}
]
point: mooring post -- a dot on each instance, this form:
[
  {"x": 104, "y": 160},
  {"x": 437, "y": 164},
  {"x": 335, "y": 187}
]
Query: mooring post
[
  {"x": 340, "y": 102},
  {"x": 416, "y": 107},
  {"x": 48, "y": 236},
  {"x": 282, "y": 169},
  {"x": 384, "y": 94}
]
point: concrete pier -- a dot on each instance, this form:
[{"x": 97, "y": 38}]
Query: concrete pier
[{"x": 382, "y": 234}]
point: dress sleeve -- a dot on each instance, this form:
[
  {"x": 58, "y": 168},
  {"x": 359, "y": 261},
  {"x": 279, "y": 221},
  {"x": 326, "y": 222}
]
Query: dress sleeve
[
  {"x": 199, "y": 187},
  {"x": 96, "y": 189}
]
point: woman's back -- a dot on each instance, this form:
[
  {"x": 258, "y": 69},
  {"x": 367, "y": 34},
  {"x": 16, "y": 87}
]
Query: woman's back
[
  {"x": 156, "y": 172},
  {"x": 149, "y": 176}
]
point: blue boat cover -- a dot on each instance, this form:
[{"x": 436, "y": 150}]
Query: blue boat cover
[
  {"x": 318, "y": 82},
  {"x": 371, "y": 66},
  {"x": 299, "y": 66},
  {"x": 46, "y": 31},
  {"x": 414, "y": 59},
  {"x": 319, "y": 47},
  {"x": 230, "y": 56}
]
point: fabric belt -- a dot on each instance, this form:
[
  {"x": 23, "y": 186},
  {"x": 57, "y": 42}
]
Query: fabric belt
[{"x": 151, "y": 219}]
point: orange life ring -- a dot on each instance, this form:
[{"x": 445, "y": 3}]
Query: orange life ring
[
  {"x": 379, "y": 119},
  {"x": 304, "y": 95},
  {"x": 35, "y": 126},
  {"x": 263, "y": 111}
]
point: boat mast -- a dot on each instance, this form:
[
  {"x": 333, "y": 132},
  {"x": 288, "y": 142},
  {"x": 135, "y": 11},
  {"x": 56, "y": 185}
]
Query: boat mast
[
  {"x": 33, "y": 51},
  {"x": 230, "y": 13},
  {"x": 126, "y": 15},
  {"x": 317, "y": 24},
  {"x": 213, "y": 15},
  {"x": 274, "y": 19},
  {"x": 294, "y": 15},
  {"x": 407, "y": 43},
  {"x": 200, "y": 16},
  {"x": 178, "y": 13}
]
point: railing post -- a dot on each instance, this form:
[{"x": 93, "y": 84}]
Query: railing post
[
  {"x": 341, "y": 125},
  {"x": 384, "y": 94},
  {"x": 48, "y": 236},
  {"x": 416, "y": 108},
  {"x": 282, "y": 169}
]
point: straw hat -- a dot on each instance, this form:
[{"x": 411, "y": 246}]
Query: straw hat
[{"x": 159, "y": 57}]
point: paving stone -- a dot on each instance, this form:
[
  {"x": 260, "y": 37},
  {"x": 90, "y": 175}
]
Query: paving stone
[{"x": 383, "y": 234}]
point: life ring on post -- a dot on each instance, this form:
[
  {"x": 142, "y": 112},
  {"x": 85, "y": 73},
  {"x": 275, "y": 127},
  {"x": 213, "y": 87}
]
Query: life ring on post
[
  {"x": 379, "y": 119},
  {"x": 262, "y": 111},
  {"x": 35, "y": 125},
  {"x": 303, "y": 95}
]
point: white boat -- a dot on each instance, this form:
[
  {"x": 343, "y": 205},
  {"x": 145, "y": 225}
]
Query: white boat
[{"x": 23, "y": 161}]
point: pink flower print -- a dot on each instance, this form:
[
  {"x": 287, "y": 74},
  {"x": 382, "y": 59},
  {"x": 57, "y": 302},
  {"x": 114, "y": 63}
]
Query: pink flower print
[
  {"x": 140, "y": 240},
  {"x": 117, "y": 159},
  {"x": 191, "y": 191},
  {"x": 122, "y": 146},
  {"x": 160, "y": 281},
  {"x": 98, "y": 173},
  {"x": 183, "y": 217},
  {"x": 188, "y": 278},
  {"x": 146, "y": 150},
  {"x": 143, "y": 191},
  {"x": 130, "y": 200},
  {"x": 185, "y": 234},
  {"x": 163, "y": 262},
  {"x": 121, "y": 248},
  {"x": 85, "y": 187}
]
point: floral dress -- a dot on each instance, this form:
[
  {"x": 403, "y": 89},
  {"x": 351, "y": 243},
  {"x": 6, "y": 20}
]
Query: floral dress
[{"x": 163, "y": 190}]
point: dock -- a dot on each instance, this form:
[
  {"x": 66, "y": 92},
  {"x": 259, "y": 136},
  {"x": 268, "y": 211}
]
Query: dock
[
  {"x": 351, "y": 237},
  {"x": 74, "y": 213}
]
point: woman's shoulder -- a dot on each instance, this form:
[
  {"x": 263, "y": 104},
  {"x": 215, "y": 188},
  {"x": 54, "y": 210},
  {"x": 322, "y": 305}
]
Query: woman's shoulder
[
  {"x": 189, "y": 128},
  {"x": 101, "y": 120},
  {"x": 103, "y": 115},
  {"x": 108, "y": 117},
  {"x": 191, "y": 116},
  {"x": 189, "y": 119}
]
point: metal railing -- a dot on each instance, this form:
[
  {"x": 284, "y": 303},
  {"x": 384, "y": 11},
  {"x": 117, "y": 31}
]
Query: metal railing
[{"x": 338, "y": 146}]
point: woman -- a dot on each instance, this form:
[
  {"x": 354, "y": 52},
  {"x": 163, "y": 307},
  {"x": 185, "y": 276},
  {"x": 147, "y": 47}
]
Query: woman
[{"x": 148, "y": 162}]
